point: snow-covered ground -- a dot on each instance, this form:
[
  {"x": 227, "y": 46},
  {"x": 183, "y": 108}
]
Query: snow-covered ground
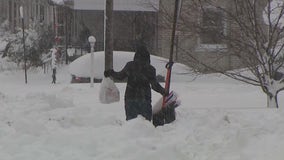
[{"x": 219, "y": 119}]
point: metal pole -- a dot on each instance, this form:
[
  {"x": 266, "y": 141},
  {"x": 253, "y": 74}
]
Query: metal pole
[
  {"x": 24, "y": 46},
  {"x": 66, "y": 37},
  {"x": 92, "y": 41},
  {"x": 92, "y": 65}
]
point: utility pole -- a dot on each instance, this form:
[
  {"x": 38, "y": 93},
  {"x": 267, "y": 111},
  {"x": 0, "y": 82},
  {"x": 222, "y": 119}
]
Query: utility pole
[
  {"x": 24, "y": 46},
  {"x": 108, "y": 35},
  {"x": 66, "y": 35}
]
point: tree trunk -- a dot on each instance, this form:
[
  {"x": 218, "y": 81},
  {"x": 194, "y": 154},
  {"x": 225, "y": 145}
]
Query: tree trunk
[
  {"x": 108, "y": 35},
  {"x": 272, "y": 101}
]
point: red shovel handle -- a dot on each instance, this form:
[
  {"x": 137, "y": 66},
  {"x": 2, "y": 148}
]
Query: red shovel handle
[{"x": 168, "y": 79}]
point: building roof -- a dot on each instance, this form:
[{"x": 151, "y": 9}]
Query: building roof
[{"x": 119, "y": 5}]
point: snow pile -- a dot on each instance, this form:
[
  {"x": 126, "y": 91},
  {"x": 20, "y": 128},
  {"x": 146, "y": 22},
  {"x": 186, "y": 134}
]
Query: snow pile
[{"x": 6, "y": 65}]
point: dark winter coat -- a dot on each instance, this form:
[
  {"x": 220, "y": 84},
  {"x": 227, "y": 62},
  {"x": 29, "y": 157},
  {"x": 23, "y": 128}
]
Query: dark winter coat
[{"x": 141, "y": 77}]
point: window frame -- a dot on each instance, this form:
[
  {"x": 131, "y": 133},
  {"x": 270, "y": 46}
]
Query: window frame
[
  {"x": 217, "y": 46},
  {"x": 41, "y": 13}
]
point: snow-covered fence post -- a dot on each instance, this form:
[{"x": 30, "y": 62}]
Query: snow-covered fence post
[{"x": 92, "y": 41}]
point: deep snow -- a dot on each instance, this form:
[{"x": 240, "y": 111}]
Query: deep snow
[{"x": 219, "y": 119}]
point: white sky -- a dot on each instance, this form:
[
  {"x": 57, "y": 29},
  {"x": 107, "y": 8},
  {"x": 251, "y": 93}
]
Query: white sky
[{"x": 276, "y": 6}]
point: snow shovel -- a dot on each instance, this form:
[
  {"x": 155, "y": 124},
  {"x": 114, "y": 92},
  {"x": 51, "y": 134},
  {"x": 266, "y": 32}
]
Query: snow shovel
[{"x": 167, "y": 112}]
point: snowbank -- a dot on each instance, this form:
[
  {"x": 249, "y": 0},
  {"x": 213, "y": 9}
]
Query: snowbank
[
  {"x": 6, "y": 65},
  {"x": 219, "y": 119}
]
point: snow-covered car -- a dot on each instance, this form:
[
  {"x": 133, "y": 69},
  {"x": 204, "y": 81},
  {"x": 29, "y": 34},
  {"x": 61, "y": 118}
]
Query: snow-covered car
[
  {"x": 77, "y": 79},
  {"x": 81, "y": 67}
]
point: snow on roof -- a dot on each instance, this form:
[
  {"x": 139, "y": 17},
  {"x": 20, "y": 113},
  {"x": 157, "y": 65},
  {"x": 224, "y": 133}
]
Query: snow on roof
[
  {"x": 126, "y": 5},
  {"x": 58, "y": 2}
]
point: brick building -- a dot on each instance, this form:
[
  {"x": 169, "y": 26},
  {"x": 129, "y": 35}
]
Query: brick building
[
  {"x": 132, "y": 20},
  {"x": 35, "y": 12},
  {"x": 200, "y": 33},
  {"x": 150, "y": 20}
]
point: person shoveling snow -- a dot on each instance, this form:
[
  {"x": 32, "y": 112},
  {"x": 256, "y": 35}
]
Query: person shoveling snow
[{"x": 141, "y": 77}]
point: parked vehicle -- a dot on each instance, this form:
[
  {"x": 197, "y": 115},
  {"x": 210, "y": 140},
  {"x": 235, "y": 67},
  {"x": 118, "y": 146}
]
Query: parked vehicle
[
  {"x": 81, "y": 67},
  {"x": 76, "y": 79}
]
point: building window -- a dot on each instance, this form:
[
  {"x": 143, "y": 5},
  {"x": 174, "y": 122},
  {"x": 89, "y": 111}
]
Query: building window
[
  {"x": 32, "y": 10},
  {"x": 10, "y": 12},
  {"x": 213, "y": 29},
  {"x": 15, "y": 15},
  {"x": 36, "y": 11},
  {"x": 41, "y": 18}
]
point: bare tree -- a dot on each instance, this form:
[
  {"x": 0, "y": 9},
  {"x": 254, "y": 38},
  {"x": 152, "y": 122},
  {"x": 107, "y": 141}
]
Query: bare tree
[{"x": 253, "y": 35}]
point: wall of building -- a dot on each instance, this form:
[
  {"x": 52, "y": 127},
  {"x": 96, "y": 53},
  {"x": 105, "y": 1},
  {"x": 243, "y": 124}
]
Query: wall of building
[
  {"x": 3, "y": 10},
  {"x": 128, "y": 27},
  {"x": 188, "y": 39},
  {"x": 35, "y": 12}
]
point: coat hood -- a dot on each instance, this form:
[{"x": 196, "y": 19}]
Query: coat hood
[{"x": 142, "y": 55}]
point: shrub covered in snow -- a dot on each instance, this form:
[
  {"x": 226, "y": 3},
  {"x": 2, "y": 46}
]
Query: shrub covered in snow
[{"x": 37, "y": 41}]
